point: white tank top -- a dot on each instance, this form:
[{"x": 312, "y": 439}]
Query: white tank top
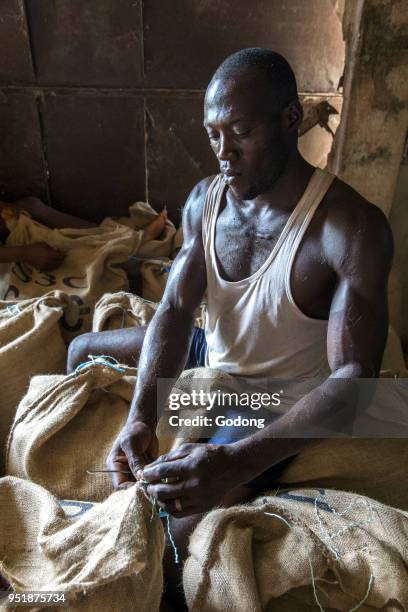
[{"x": 253, "y": 327}]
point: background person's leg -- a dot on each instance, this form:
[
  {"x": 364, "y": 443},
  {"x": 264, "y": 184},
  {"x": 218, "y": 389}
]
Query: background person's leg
[{"x": 122, "y": 344}]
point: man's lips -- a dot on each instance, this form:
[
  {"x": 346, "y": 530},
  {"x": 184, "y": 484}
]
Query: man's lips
[{"x": 229, "y": 173}]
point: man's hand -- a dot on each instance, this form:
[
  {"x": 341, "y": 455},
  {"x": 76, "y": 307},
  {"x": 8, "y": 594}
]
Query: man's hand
[
  {"x": 199, "y": 477},
  {"x": 135, "y": 447},
  {"x": 41, "y": 256}
]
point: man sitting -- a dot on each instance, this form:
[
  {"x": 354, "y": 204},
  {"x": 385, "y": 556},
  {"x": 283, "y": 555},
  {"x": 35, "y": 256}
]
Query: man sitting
[{"x": 295, "y": 264}]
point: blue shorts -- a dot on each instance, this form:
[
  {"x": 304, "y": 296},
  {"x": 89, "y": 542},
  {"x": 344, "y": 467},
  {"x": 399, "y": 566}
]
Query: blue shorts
[{"x": 198, "y": 350}]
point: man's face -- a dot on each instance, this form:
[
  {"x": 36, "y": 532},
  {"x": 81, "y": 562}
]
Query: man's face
[{"x": 247, "y": 137}]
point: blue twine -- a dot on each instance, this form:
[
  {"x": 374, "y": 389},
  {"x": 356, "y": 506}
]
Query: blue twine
[
  {"x": 13, "y": 309},
  {"x": 103, "y": 360},
  {"x": 302, "y": 539},
  {"x": 160, "y": 513},
  {"x": 172, "y": 542}
]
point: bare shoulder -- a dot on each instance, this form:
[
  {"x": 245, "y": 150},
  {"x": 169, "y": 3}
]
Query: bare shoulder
[
  {"x": 193, "y": 209},
  {"x": 355, "y": 229}
]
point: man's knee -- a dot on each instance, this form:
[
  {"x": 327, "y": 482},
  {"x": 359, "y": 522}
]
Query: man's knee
[{"x": 78, "y": 351}]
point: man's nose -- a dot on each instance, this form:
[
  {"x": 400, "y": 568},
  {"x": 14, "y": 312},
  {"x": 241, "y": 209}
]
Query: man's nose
[{"x": 226, "y": 149}]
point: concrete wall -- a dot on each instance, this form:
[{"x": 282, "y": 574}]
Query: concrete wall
[
  {"x": 399, "y": 224},
  {"x": 368, "y": 146},
  {"x": 101, "y": 100}
]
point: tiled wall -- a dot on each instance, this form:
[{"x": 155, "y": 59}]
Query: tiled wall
[{"x": 101, "y": 100}]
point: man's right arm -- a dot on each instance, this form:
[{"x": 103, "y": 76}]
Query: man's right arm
[{"x": 167, "y": 341}]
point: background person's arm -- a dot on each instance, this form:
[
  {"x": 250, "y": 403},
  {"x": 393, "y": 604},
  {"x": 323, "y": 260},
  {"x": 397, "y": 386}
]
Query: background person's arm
[
  {"x": 39, "y": 255},
  {"x": 48, "y": 216},
  {"x": 166, "y": 344}
]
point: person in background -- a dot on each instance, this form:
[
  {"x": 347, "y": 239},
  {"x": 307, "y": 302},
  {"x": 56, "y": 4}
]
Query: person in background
[{"x": 41, "y": 255}]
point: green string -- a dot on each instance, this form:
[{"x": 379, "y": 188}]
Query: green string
[{"x": 160, "y": 513}]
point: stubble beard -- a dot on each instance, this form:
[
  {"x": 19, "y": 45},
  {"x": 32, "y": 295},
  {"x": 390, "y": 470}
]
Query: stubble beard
[{"x": 268, "y": 180}]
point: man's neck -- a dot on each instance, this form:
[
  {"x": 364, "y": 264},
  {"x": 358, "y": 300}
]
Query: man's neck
[{"x": 289, "y": 187}]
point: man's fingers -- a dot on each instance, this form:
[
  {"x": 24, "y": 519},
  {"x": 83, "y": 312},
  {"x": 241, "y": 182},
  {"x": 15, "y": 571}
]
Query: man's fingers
[
  {"x": 136, "y": 460},
  {"x": 179, "y": 453},
  {"x": 117, "y": 461},
  {"x": 187, "y": 509},
  {"x": 136, "y": 465},
  {"x": 171, "y": 469},
  {"x": 163, "y": 492},
  {"x": 136, "y": 450}
]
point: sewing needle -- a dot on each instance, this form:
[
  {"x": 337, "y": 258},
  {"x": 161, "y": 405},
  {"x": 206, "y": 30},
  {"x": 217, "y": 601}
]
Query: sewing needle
[{"x": 108, "y": 472}]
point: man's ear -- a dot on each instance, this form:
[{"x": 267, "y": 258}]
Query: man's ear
[{"x": 293, "y": 115}]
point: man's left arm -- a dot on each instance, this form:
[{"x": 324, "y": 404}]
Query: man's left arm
[{"x": 356, "y": 337}]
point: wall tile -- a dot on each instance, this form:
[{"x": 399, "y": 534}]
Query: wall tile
[
  {"x": 15, "y": 59},
  {"x": 185, "y": 42},
  {"x": 22, "y": 169},
  {"x": 178, "y": 152},
  {"x": 90, "y": 43},
  {"x": 95, "y": 148}
]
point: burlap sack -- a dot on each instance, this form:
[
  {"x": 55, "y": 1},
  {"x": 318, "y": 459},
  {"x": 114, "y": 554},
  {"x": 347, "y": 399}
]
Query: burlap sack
[
  {"x": 300, "y": 550},
  {"x": 177, "y": 242},
  {"x": 90, "y": 269},
  {"x": 393, "y": 358},
  {"x": 140, "y": 215},
  {"x": 154, "y": 279},
  {"x": 373, "y": 467},
  {"x": 30, "y": 344},
  {"x": 66, "y": 425},
  {"x": 120, "y": 310},
  {"x": 109, "y": 558}
]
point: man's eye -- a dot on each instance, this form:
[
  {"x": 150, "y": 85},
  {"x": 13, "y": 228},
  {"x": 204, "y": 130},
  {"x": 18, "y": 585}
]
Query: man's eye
[
  {"x": 242, "y": 132},
  {"x": 214, "y": 137}
]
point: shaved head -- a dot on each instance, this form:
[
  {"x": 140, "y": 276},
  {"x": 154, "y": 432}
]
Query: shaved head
[
  {"x": 252, "y": 114},
  {"x": 255, "y": 64}
]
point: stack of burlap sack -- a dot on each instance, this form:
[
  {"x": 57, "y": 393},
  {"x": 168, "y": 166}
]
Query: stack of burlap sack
[
  {"x": 305, "y": 547},
  {"x": 30, "y": 343},
  {"x": 154, "y": 258},
  {"x": 94, "y": 263},
  {"x": 41, "y": 310},
  {"x": 241, "y": 558},
  {"x": 90, "y": 268},
  {"x": 112, "y": 556}
]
